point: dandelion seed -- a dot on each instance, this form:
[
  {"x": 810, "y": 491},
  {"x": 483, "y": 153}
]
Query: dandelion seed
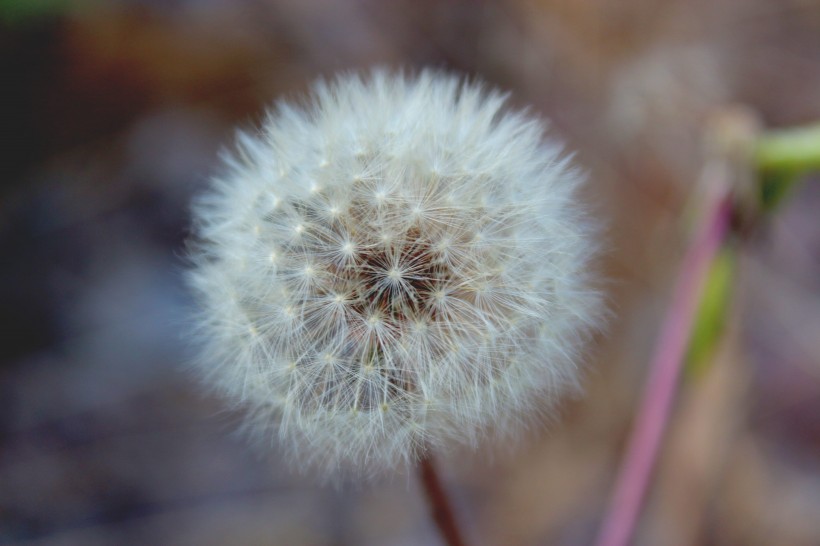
[{"x": 429, "y": 246}]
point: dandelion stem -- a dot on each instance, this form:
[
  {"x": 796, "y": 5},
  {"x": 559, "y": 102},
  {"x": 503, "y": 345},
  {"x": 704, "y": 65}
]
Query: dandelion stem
[
  {"x": 440, "y": 507},
  {"x": 664, "y": 370}
]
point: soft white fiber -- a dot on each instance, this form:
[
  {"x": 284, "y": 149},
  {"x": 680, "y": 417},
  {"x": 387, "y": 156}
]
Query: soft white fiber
[{"x": 399, "y": 264}]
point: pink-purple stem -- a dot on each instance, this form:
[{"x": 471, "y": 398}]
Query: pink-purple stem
[{"x": 664, "y": 371}]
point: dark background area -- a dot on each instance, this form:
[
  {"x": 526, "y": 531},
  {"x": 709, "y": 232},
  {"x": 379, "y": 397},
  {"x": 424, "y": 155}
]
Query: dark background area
[{"x": 112, "y": 114}]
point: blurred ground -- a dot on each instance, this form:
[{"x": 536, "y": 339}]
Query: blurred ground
[{"x": 112, "y": 116}]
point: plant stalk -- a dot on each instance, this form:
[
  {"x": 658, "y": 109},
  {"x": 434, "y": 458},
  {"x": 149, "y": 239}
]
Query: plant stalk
[
  {"x": 664, "y": 371},
  {"x": 440, "y": 507}
]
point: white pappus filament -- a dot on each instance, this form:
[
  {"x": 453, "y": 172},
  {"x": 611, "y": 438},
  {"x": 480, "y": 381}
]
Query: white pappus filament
[{"x": 401, "y": 264}]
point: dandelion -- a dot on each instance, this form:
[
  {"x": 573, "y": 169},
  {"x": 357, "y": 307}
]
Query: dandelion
[{"x": 401, "y": 264}]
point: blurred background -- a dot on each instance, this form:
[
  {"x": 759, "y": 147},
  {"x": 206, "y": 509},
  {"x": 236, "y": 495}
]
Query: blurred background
[{"x": 112, "y": 113}]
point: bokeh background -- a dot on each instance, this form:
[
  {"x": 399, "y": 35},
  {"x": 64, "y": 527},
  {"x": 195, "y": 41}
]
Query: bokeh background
[{"x": 112, "y": 114}]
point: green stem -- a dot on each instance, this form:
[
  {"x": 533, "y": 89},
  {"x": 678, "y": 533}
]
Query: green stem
[
  {"x": 782, "y": 156},
  {"x": 796, "y": 149}
]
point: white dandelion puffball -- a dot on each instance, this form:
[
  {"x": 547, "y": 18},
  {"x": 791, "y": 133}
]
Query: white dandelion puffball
[{"x": 400, "y": 264}]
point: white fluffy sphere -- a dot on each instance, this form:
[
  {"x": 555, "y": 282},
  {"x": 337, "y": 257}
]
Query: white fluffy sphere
[{"x": 397, "y": 265}]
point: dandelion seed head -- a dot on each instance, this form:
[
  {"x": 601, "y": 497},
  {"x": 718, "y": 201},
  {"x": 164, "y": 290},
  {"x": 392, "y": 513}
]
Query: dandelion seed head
[{"x": 402, "y": 264}]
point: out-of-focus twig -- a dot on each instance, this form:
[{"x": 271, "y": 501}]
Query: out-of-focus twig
[
  {"x": 790, "y": 149},
  {"x": 781, "y": 157},
  {"x": 666, "y": 362}
]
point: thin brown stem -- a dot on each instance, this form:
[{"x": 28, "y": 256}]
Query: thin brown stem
[{"x": 440, "y": 507}]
